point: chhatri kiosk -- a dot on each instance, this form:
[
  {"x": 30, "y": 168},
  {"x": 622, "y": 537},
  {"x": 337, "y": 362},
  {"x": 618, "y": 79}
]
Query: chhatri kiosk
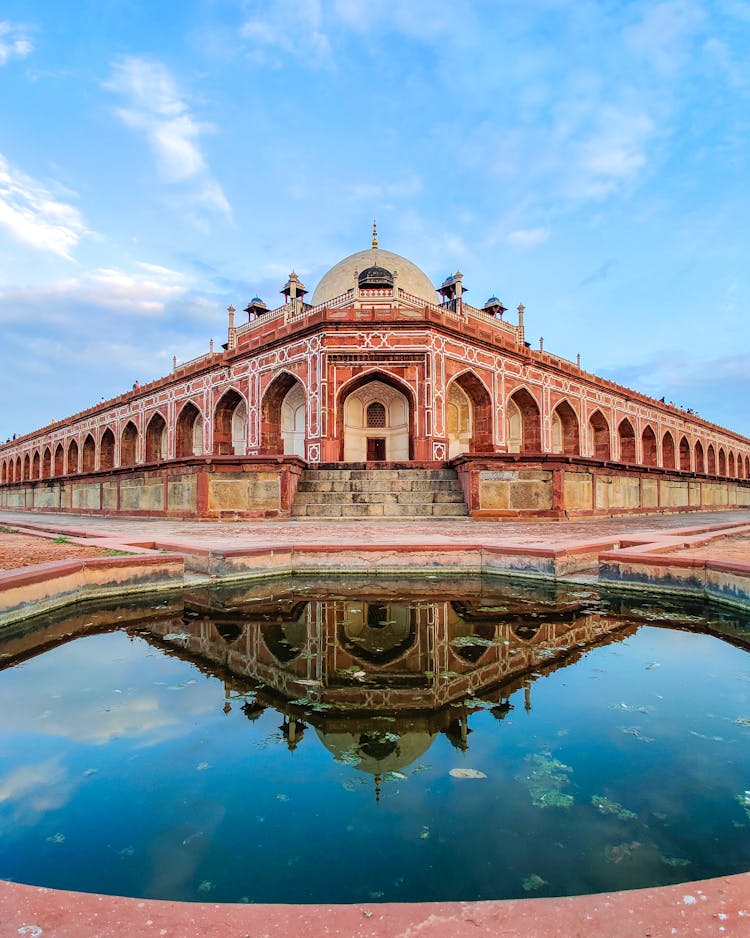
[{"x": 380, "y": 395}]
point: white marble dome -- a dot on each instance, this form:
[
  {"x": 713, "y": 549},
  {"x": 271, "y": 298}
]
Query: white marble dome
[{"x": 343, "y": 276}]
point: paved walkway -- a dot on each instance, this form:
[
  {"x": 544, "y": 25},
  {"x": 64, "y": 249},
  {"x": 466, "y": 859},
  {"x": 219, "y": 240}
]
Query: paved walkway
[{"x": 555, "y": 534}]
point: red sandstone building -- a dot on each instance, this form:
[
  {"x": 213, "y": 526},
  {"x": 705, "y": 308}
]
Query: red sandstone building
[{"x": 372, "y": 399}]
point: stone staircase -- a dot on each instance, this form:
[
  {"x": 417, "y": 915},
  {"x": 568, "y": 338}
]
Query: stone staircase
[{"x": 403, "y": 493}]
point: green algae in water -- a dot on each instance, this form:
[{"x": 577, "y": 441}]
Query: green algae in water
[
  {"x": 547, "y": 779},
  {"x": 605, "y": 806},
  {"x": 533, "y": 882}
]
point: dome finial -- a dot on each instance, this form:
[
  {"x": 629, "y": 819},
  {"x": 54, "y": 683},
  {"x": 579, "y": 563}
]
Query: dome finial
[{"x": 374, "y": 233}]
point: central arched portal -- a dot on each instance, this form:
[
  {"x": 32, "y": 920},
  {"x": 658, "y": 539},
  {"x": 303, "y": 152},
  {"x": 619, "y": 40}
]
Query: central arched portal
[{"x": 376, "y": 424}]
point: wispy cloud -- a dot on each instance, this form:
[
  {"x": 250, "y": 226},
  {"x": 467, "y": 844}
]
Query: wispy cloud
[
  {"x": 144, "y": 291},
  {"x": 14, "y": 42},
  {"x": 287, "y": 27},
  {"x": 527, "y": 237},
  {"x": 155, "y": 107},
  {"x": 30, "y": 213}
]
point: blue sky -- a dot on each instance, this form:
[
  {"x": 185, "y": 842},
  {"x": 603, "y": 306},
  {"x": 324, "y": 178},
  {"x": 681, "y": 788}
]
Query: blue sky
[{"x": 159, "y": 161}]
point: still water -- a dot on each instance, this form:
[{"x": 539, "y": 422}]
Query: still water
[{"x": 355, "y": 740}]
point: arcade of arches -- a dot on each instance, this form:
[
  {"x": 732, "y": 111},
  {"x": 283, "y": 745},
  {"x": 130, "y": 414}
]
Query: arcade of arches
[{"x": 377, "y": 370}]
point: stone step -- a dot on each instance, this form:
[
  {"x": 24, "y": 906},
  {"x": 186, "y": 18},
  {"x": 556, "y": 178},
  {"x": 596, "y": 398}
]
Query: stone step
[
  {"x": 341, "y": 475},
  {"x": 379, "y": 498},
  {"x": 380, "y": 511},
  {"x": 353, "y": 492},
  {"x": 377, "y": 485}
]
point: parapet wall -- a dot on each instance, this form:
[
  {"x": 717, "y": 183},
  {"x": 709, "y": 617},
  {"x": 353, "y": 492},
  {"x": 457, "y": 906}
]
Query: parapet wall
[
  {"x": 214, "y": 489},
  {"x": 553, "y": 487}
]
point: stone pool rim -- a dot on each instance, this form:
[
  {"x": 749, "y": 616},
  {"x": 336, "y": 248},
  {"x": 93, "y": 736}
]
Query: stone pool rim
[{"x": 718, "y": 906}]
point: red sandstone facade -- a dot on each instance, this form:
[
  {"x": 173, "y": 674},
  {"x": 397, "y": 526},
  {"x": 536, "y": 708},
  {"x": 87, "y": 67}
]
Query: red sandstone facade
[{"x": 388, "y": 370}]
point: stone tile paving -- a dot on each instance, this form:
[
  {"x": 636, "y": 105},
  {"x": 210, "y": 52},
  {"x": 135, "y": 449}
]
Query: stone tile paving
[{"x": 558, "y": 534}]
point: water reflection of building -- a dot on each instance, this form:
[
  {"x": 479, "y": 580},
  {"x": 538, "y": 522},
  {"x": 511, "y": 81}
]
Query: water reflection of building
[
  {"x": 376, "y": 676},
  {"x": 379, "y": 677}
]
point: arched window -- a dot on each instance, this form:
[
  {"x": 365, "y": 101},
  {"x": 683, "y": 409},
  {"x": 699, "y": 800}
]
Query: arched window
[{"x": 375, "y": 415}]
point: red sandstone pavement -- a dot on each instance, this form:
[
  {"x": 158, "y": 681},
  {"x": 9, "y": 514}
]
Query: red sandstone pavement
[
  {"x": 719, "y": 907},
  {"x": 558, "y": 534}
]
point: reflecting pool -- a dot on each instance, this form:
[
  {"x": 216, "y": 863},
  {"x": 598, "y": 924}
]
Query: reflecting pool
[{"x": 375, "y": 740}]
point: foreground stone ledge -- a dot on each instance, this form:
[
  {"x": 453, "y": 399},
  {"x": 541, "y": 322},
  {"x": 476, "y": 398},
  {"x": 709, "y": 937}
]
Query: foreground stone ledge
[
  {"x": 28, "y": 591},
  {"x": 715, "y": 907}
]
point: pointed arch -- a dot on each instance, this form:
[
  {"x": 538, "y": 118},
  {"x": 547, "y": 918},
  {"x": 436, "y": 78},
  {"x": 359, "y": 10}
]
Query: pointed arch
[
  {"x": 480, "y": 410},
  {"x": 88, "y": 454},
  {"x": 565, "y": 435},
  {"x": 230, "y": 424},
  {"x": 189, "y": 432},
  {"x": 626, "y": 436},
  {"x": 72, "y": 457},
  {"x": 711, "y": 460},
  {"x": 400, "y": 409},
  {"x": 740, "y": 467},
  {"x": 524, "y": 422},
  {"x": 27, "y": 467},
  {"x": 156, "y": 438},
  {"x": 4, "y": 473},
  {"x": 722, "y": 462},
  {"x": 36, "y": 466},
  {"x": 58, "y": 463},
  {"x": 668, "y": 453},
  {"x": 700, "y": 463},
  {"x": 599, "y": 436},
  {"x": 283, "y": 416},
  {"x": 730, "y": 465},
  {"x": 107, "y": 450},
  {"x": 747, "y": 467},
  {"x": 46, "y": 464},
  {"x": 684, "y": 454},
  {"x": 129, "y": 444},
  {"x": 19, "y": 469},
  {"x": 648, "y": 446}
]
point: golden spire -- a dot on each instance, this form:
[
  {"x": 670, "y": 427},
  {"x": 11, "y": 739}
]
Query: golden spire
[{"x": 374, "y": 233}]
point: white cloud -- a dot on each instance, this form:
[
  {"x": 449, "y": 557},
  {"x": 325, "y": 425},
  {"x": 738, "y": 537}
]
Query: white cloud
[
  {"x": 143, "y": 292},
  {"x": 665, "y": 34},
  {"x": 528, "y": 237},
  {"x": 614, "y": 152},
  {"x": 31, "y": 214},
  {"x": 155, "y": 107},
  {"x": 35, "y": 789},
  {"x": 14, "y": 42},
  {"x": 292, "y": 27}
]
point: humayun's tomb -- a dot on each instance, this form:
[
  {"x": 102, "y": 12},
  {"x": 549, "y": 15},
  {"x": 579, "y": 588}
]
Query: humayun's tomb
[{"x": 380, "y": 397}]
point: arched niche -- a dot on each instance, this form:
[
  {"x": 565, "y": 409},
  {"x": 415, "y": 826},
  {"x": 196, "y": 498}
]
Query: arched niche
[
  {"x": 711, "y": 460},
  {"x": 230, "y": 425},
  {"x": 189, "y": 432},
  {"x": 72, "y": 457},
  {"x": 668, "y": 451},
  {"x": 600, "y": 447},
  {"x": 468, "y": 415},
  {"x": 722, "y": 463},
  {"x": 565, "y": 436},
  {"x": 107, "y": 450},
  {"x": 88, "y": 454},
  {"x": 684, "y": 454},
  {"x": 524, "y": 423},
  {"x": 46, "y": 464},
  {"x": 156, "y": 438},
  {"x": 700, "y": 464},
  {"x": 626, "y": 435},
  {"x": 58, "y": 464},
  {"x": 648, "y": 447},
  {"x": 283, "y": 417},
  {"x": 376, "y": 418},
  {"x": 129, "y": 444}
]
